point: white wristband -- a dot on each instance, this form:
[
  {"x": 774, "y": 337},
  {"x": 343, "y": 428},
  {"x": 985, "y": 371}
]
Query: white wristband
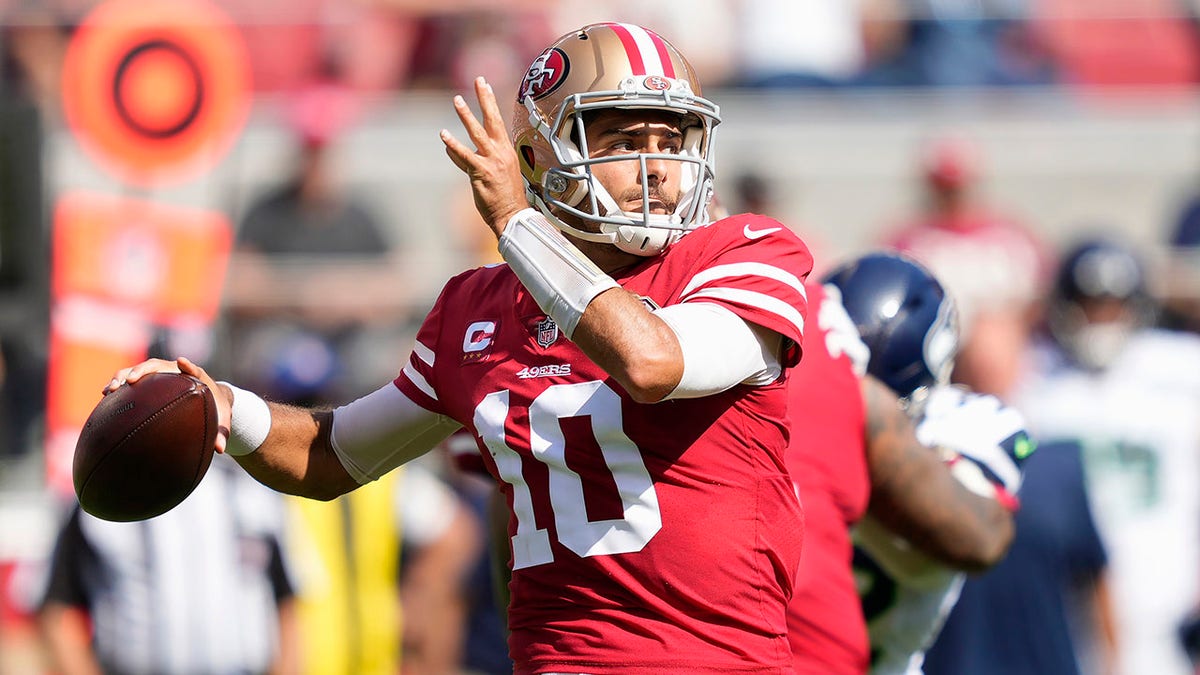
[
  {"x": 250, "y": 422},
  {"x": 559, "y": 277}
]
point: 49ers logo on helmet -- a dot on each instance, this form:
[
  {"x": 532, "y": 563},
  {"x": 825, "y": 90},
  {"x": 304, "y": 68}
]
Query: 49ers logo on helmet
[
  {"x": 656, "y": 83},
  {"x": 546, "y": 74}
]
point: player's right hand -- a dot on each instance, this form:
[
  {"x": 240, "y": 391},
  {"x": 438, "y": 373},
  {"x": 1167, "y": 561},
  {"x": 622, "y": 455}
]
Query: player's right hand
[
  {"x": 496, "y": 181},
  {"x": 222, "y": 395}
]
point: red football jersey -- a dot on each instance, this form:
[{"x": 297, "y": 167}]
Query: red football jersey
[
  {"x": 644, "y": 538},
  {"x": 827, "y": 459}
]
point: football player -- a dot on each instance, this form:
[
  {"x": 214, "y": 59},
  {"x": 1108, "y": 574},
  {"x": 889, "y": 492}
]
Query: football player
[
  {"x": 870, "y": 405},
  {"x": 1128, "y": 393},
  {"x": 623, "y": 374}
]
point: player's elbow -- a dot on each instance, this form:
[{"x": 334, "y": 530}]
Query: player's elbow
[
  {"x": 987, "y": 547},
  {"x": 329, "y": 486},
  {"x": 323, "y": 493},
  {"x": 651, "y": 380},
  {"x": 323, "y": 479}
]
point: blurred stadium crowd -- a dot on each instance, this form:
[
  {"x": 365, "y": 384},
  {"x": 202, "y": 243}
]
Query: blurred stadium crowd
[{"x": 860, "y": 123}]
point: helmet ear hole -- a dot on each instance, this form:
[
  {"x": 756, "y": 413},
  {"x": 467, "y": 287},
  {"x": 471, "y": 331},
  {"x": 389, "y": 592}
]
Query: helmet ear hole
[{"x": 528, "y": 158}]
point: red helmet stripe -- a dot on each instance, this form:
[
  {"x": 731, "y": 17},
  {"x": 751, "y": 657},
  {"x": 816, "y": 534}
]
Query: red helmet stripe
[
  {"x": 631, "y": 48},
  {"x": 648, "y": 53},
  {"x": 664, "y": 56}
]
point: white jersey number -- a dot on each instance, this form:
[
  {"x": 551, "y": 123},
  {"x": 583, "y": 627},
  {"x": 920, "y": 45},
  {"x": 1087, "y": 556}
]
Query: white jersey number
[
  {"x": 594, "y": 400},
  {"x": 841, "y": 335}
]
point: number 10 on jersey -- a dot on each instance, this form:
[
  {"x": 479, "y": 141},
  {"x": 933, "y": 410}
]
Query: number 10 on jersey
[{"x": 639, "y": 502}]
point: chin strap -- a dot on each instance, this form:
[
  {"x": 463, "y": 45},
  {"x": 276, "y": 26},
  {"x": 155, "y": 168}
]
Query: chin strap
[{"x": 559, "y": 277}]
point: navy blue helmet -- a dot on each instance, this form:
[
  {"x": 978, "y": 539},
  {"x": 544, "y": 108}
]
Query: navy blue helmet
[
  {"x": 1099, "y": 268},
  {"x": 1186, "y": 234},
  {"x": 1094, "y": 272},
  {"x": 903, "y": 315}
]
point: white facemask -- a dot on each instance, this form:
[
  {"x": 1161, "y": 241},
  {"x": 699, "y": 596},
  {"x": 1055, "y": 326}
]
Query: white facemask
[{"x": 1096, "y": 345}]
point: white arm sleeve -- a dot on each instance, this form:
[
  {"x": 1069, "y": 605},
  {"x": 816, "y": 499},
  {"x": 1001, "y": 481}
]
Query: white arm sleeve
[
  {"x": 384, "y": 429},
  {"x": 720, "y": 349},
  {"x": 559, "y": 277}
]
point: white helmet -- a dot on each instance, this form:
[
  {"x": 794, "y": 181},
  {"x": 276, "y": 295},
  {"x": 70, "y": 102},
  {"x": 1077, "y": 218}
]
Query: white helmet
[{"x": 606, "y": 66}]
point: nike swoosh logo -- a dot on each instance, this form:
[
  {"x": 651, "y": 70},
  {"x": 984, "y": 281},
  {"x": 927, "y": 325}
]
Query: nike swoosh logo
[{"x": 756, "y": 234}]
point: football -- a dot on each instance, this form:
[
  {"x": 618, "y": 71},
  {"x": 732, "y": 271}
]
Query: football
[{"x": 145, "y": 447}]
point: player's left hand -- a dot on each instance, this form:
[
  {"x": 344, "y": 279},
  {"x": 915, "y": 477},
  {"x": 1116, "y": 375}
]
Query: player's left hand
[
  {"x": 181, "y": 365},
  {"x": 492, "y": 166},
  {"x": 981, "y": 429}
]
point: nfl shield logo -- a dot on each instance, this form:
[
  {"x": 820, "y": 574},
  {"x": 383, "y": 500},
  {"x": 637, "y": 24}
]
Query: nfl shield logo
[{"x": 547, "y": 332}]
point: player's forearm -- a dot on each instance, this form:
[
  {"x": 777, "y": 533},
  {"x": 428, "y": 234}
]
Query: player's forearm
[
  {"x": 296, "y": 456},
  {"x": 915, "y": 496},
  {"x": 609, "y": 324},
  {"x": 637, "y": 348},
  {"x": 930, "y": 509}
]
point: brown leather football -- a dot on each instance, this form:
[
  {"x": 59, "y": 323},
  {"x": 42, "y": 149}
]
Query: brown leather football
[{"x": 145, "y": 447}]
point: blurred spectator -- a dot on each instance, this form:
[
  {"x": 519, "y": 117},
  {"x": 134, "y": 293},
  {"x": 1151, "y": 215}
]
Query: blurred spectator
[
  {"x": 32, "y": 41},
  {"x": 991, "y": 264},
  {"x": 1019, "y": 616},
  {"x": 753, "y": 194},
  {"x": 314, "y": 280},
  {"x": 288, "y": 42},
  {"x": 1121, "y": 43},
  {"x": 456, "y": 46},
  {"x": 963, "y": 43},
  {"x": 204, "y": 588},
  {"x": 443, "y": 543},
  {"x": 820, "y": 43},
  {"x": 1128, "y": 392}
]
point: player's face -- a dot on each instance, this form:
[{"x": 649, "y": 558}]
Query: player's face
[{"x": 614, "y": 133}]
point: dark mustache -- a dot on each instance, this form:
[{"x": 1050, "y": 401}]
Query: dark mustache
[{"x": 632, "y": 194}]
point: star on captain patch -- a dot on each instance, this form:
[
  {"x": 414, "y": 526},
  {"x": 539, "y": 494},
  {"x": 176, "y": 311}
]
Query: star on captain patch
[{"x": 546, "y": 332}]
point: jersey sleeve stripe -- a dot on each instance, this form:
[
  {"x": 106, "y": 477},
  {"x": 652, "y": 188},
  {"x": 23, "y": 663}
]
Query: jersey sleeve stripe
[
  {"x": 760, "y": 301},
  {"x": 424, "y": 353},
  {"x": 418, "y": 381},
  {"x": 745, "y": 269}
]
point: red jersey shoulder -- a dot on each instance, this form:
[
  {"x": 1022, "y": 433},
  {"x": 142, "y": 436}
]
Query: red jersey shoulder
[
  {"x": 763, "y": 235},
  {"x": 479, "y": 282},
  {"x": 751, "y": 264}
]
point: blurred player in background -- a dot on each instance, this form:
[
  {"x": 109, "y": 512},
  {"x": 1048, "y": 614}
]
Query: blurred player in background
[
  {"x": 991, "y": 264},
  {"x": 203, "y": 588},
  {"x": 625, "y": 383},
  {"x": 905, "y": 593},
  {"x": 857, "y": 459},
  {"x": 1129, "y": 394}
]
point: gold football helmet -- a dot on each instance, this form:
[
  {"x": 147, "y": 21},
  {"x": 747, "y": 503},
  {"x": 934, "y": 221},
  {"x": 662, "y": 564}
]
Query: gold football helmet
[{"x": 604, "y": 66}]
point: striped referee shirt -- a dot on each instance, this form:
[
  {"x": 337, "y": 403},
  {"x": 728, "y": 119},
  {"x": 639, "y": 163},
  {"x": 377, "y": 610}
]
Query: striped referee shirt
[{"x": 191, "y": 592}]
